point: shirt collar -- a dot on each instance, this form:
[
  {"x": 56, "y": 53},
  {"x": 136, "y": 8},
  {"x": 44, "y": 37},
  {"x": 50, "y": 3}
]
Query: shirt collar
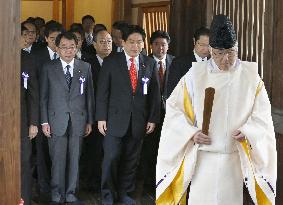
[
  {"x": 100, "y": 60},
  {"x": 28, "y": 49},
  {"x": 64, "y": 64},
  {"x": 51, "y": 53},
  {"x": 198, "y": 58},
  {"x": 136, "y": 59}
]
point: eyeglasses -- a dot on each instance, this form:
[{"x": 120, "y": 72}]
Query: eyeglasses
[
  {"x": 220, "y": 53},
  {"x": 68, "y": 48},
  {"x": 30, "y": 32}
]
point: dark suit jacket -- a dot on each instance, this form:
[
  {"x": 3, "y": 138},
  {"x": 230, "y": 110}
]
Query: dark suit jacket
[
  {"x": 179, "y": 67},
  {"x": 169, "y": 59},
  {"x": 116, "y": 102},
  {"x": 88, "y": 48},
  {"x": 95, "y": 68},
  {"x": 41, "y": 57},
  {"x": 29, "y": 96},
  {"x": 58, "y": 103}
]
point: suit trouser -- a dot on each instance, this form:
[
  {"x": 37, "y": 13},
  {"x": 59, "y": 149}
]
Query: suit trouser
[
  {"x": 148, "y": 160},
  {"x": 26, "y": 179},
  {"x": 42, "y": 162},
  {"x": 64, "y": 153},
  {"x": 91, "y": 159},
  {"x": 121, "y": 158}
]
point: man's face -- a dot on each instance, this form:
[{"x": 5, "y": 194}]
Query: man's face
[
  {"x": 202, "y": 46},
  {"x": 67, "y": 49},
  {"x": 80, "y": 41},
  {"x": 31, "y": 33},
  {"x": 159, "y": 47},
  {"x": 23, "y": 40},
  {"x": 133, "y": 45},
  {"x": 51, "y": 40},
  {"x": 117, "y": 37},
  {"x": 88, "y": 25},
  {"x": 224, "y": 58},
  {"x": 103, "y": 44}
]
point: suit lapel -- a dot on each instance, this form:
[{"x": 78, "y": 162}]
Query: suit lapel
[
  {"x": 59, "y": 73},
  {"x": 141, "y": 72},
  {"x": 76, "y": 75},
  {"x": 125, "y": 71}
]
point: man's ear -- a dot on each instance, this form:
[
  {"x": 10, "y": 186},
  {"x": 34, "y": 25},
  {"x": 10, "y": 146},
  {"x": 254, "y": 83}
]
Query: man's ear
[
  {"x": 123, "y": 43},
  {"x": 94, "y": 44},
  {"x": 194, "y": 40}
]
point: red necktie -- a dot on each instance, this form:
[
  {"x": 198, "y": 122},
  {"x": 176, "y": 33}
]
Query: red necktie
[
  {"x": 160, "y": 71},
  {"x": 133, "y": 75}
]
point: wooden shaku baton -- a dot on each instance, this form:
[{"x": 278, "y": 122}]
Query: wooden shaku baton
[{"x": 208, "y": 103}]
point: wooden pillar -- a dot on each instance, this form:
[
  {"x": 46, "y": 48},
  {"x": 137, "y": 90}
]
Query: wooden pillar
[
  {"x": 67, "y": 13},
  {"x": 122, "y": 10},
  {"x": 56, "y": 10},
  {"x": 276, "y": 84},
  {"x": 10, "y": 103},
  {"x": 185, "y": 17}
]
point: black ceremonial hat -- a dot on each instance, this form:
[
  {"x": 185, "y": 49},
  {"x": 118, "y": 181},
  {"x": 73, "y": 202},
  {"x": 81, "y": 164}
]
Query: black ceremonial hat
[{"x": 222, "y": 34}]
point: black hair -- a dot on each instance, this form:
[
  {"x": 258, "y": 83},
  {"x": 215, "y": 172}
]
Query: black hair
[
  {"x": 159, "y": 34},
  {"x": 88, "y": 17},
  {"x": 52, "y": 26},
  {"x": 96, "y": 33},
  {"x": 39, "y": 19},
  {"x": 77, "y": 30},
  {"x": 133, "y": 29},
  {"x": 99, "y": 27},
  {"x": 202, "y": 31},
  {"x": 30, "y": 19},
  {"x": 68, "y": 35},
  {"x": 119, "y": 25},
  {"x": 29, "y": 22},
  {"x": 23, "y": 28}
]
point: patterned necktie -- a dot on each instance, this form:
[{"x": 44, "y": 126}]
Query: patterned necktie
[
  {"x": 161, "y": 75},
  {"x": 54, "y": 56},
  {"x": 133, "y": 75},
  {"x": 68, "y": 76},
  {"x": 89, "y": 40}
]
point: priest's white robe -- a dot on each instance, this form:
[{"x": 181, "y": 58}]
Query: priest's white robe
[{"x": 217, "y": 171}]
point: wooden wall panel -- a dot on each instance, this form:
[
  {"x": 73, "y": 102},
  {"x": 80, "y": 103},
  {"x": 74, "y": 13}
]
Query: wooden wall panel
[
  {"x": 248, "y": 17},
  {"x": 10, "y": 103},
  {"x": 185, "y": 17}
]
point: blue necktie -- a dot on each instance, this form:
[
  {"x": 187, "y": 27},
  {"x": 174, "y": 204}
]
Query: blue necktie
[{"x": 68, "y": 76}]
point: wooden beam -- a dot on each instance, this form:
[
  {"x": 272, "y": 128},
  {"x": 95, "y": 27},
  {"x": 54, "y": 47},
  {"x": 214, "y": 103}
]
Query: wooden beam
[
  {"x": 56, "y": 10},
  {"x": 67, "y": 13},
  {"x": 10, "y": 103}
]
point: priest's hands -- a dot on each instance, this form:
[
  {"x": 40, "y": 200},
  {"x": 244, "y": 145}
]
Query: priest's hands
[
  {"x": 200, "y": 138},
  {"x": 237, "y": 135},
  {"x": 102, "y": 127}
]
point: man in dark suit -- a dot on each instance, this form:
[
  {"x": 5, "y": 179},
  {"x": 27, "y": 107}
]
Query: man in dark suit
[
  {"x": 42, "y": 56},
  {"x": 159, "y": 42},
  {"x": 29, "y": 117},
  {"x": 88, "y": 23},
  {"x": 116, "y": 33},
  {"x": 32, "y": 45},
  {"x": 181, "y": 65},
  {"x": 67, "y": 107},
  {"x": 128, "y": 106},
  {"x": 92, "y": 152}
]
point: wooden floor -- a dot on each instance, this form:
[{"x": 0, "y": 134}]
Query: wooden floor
[{"x": 91, "y": 198}]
